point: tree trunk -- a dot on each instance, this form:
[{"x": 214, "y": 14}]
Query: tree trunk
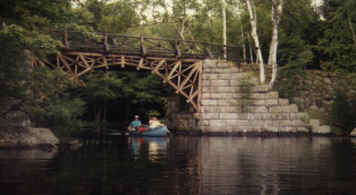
[
  {"x": 351, "y": 28},
  {"x": 224, "y": 37},
  {"x": 277, "y": 6},
  {"x": 243, "y": 43},
  {"x": 253, "y": 21}
]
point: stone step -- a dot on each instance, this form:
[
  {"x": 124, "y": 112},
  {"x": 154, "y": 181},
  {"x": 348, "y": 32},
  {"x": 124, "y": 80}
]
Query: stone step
[
  {"x": 236, "y": 113},
  {"x": 229, "y": 76},
  {"x": 234, "y": 89},
  {"x": 252, "y": 96},
  {"x": 228, "y": 83},
  {"x": 253, "y": 126}
]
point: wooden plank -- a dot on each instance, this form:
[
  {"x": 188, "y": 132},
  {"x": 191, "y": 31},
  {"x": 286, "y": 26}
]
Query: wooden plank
[
  {"x": 188, "y": 77},
  {"x": 177, "y": 64},
  {"x": 156, "y": 69},
  {"x": 123, "y": 62},
  {"x": 65, "y": 64},
  {"x": 84, "y": 61},
  {"x": 140, "y": 64},
  {"x": 84, "y": 71}
]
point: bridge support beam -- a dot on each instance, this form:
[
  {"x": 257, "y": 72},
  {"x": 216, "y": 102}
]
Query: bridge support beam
[{"x": 184, "y": 75}]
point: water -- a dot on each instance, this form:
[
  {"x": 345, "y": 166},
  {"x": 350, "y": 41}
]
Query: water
[{"x": 185, "y": 165}]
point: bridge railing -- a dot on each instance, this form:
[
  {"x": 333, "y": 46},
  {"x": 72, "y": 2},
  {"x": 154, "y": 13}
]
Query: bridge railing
[{"x": 144, "y": 46}]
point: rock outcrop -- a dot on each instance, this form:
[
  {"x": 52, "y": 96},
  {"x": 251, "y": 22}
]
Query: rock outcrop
[{"x": 27, "y": 137}]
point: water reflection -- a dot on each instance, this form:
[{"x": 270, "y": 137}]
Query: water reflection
[
  {"x": 185, "y": 165},
  {"x": 154, "y": 147}
]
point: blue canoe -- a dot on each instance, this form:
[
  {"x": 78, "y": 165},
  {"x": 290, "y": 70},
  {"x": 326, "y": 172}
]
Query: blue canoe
[{"x": 155, "y": 132}]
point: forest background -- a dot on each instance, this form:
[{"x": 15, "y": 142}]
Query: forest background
[{"x": 310, "y": 39}]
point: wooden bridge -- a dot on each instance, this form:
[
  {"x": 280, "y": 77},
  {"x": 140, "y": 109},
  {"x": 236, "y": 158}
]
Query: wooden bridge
[{"x": 178, "y": 63}]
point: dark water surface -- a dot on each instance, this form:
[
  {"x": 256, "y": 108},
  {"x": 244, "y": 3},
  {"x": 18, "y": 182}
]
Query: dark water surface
[{"x": 185, "y": 165}]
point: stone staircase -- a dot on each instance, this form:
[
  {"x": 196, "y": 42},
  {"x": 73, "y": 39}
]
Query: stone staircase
[{"x": 233, "y": 102}]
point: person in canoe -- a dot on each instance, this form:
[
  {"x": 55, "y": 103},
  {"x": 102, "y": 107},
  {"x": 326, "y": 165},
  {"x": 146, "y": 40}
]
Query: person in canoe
[
  {"x": 135, "y": 124},
  {"x": 154, "y": 123}
]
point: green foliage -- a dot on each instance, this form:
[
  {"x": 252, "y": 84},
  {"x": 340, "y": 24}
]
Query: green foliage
[
  {"x": 343, "y": 114},
  {"x": 12, "y": 75},
  {"x": 102, "y": 87},
  {"x": 337, "y": 46},
  {"x": 51, "y": 102},
  {"x": 102, "y": 16}
]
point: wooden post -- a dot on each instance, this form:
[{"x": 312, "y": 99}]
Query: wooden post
[
  {"x": 65, "y": 39},
  {"x": 106, "y": 44},
  {"x": 176, "y": 47},
  {"x": 142, "y": 46},
  {"x": 208, "y": 52}
]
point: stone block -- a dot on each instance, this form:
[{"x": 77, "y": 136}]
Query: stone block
[
  {"x": 225, "y": 76},
  {"x": 242, "y": 122},
  {"x": 218, "y": 83},
  {"x": 284, "y": 123},
  {"x": 260, "y": 88},
  {"x": 206, "y": 96},
  {"x": 322, "y": 129},
  {"x": 283, "y": 102},
  {"x": 258, "y": 96},
  {"x": 257, "y": 109},
  {"x": 217, "y": 123},
  {"x": 235, "y": 82},
  {"x": 275, "y": 123},
  {"x": 237, "y": 95},
  {"x": 257, "y": 102},
  {"x": 230, "y": 109},
  {"x": 207, "y": 83},
  {"x": 209, "y": 70},
  {"x": 232, "y": 123},
  {"x": 314, "y": 123},
  {"x": 229, "y": 116},
  {"x": 269, "y": 102},
  {"x": 271, "y": 128},
  {"x": 208, "y": 102},
  {"x": 298, "y": 123},
  {"x": 272, "y": 95},
  {"x": 209, "y": 64},
  {"x": 267, "y": 116},
  {"x": 209, "y": 116},
  {"x": 280, "y": 116},
  {"x": 210, "y": 76},
  {"x": 208, "y": 109},
  {"x": 302, "y": 129},
  {"x": 255, "y": 116},
  {"x": 257, "y": 123},
  {"x": 290, "y": 108},
  {"x": 286, "y": 129}
]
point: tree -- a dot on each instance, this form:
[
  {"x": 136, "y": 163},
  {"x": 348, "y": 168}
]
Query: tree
[
  {"x": 277, "y": 6},
  {"x": 223, "y": 10},
  {"x": 251, "y": 7},
  {"x": 337, "y": 48}
]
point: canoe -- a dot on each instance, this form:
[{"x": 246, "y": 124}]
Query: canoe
[{"x": 155, "y": 132}]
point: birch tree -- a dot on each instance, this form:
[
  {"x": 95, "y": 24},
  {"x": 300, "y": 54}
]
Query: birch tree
[
  {"x": 223, "y": 11},
  {"x": 277, "y": 6},
  {"x": 253, "y": 22}
]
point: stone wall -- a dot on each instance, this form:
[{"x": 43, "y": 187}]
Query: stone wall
[
  {"x": 226, "y": 108},
  {"x": 233, "y": 102}
]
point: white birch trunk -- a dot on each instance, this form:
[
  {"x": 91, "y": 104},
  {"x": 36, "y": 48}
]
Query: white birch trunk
[
  {"x": 277, "y": 6},
  {"x": 223, "y": 10},
  {"x": 253, "y": 21},
  {"x": 243, "y": 43}
]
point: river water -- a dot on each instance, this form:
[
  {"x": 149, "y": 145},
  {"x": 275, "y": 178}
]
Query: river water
[{"x": 185, "y": 165}]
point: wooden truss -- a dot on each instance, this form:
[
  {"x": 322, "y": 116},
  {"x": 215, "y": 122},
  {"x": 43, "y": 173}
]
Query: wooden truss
[{"x": 184, "y": 75}]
